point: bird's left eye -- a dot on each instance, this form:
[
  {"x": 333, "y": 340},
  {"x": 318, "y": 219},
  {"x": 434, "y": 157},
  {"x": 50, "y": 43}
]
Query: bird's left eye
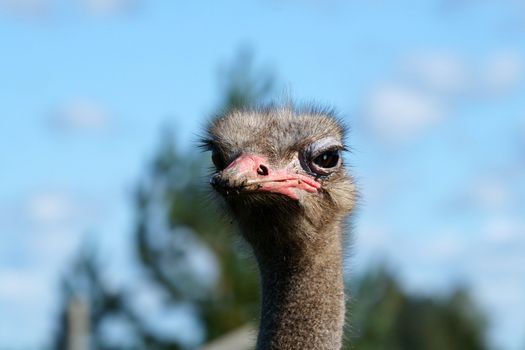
[{"x": 328, "y": 159}]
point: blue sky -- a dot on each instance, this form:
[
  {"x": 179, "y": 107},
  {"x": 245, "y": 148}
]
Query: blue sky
[{"x": 433, "y": 92}]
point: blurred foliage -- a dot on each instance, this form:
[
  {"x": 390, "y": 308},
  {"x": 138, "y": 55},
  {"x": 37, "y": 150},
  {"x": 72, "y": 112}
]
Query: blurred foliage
[
  {"x": 83, "y": 284},
  {"x": 176, "y": 221},
  {"x": 383, "y": 316}
]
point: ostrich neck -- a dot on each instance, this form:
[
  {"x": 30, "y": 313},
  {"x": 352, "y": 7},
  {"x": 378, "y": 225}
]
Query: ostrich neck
[{"x": 303, "y": 303}]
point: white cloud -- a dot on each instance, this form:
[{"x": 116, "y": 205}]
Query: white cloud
[
  {"x": 108, "y": 7},
  {"x": 502, "y": 72},
  {"x": 441, "y": 72},
  {"x": 503, "y": 231},
  {"x": 45, "y": 8},
  {"x": 371, "y": 239},
  {"x": 56, "y": 245},
  {"x": 396, "y": 112},
  {"x": 29, "y": 8},
  {"x": 59, "y": 208},
  {"x": 489, "y": 194},
  {"x": 453, "y": 75},
  {"x": 49, "y": 207},
  {"x": 56, "y": 221},
  {"x": 447, "y": 246},
  {"x": 48, "y": 225},
  {"x": 82, "y": 114},
  {"x": 430, "y": 84},
  {"x": 19, "y": 285},
  {"x": 25, "y": 300}
]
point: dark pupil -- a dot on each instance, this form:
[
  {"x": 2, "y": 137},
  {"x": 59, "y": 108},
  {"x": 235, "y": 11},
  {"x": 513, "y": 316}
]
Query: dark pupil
[{"x": 328, "y": 159}]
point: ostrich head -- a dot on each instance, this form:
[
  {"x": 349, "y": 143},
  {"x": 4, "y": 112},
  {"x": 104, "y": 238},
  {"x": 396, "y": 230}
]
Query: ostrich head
[{"x": 281, "y": 173}]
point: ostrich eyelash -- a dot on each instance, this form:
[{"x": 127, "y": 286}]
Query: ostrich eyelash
[{"x": 207, "y": 145}]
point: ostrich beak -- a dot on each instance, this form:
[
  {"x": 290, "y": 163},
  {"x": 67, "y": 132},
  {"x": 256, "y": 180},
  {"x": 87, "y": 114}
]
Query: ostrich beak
[{"x": 253, "y": 173}]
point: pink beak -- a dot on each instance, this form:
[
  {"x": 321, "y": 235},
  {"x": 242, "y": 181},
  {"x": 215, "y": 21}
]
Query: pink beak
[{"x": 253, "y": 173}]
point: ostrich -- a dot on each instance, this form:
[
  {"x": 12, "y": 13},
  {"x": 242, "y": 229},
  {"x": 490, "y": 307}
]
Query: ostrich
[{"x": 281, "y": 175}]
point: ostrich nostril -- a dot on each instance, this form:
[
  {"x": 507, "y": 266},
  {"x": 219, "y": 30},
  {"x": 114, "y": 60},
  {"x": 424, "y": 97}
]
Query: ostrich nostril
[{"x": 262, "y": 170}]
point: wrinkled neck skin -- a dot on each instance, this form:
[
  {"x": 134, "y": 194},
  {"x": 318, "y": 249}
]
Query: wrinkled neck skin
[{"x": 303, "y": 303}]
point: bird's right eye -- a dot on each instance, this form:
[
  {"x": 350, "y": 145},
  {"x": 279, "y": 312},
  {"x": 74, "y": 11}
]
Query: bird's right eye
[{"x": 218, "y": 159}]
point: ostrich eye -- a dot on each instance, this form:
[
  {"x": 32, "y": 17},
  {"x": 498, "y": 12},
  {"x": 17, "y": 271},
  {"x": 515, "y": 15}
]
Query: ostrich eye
[
  {"x": 323, "y": 156},
  {"x": 328, "y": 159},
  {"x": 218, "y": 159}
]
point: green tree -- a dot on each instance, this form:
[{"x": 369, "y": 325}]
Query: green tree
[{"x": 384, "y": 316}]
